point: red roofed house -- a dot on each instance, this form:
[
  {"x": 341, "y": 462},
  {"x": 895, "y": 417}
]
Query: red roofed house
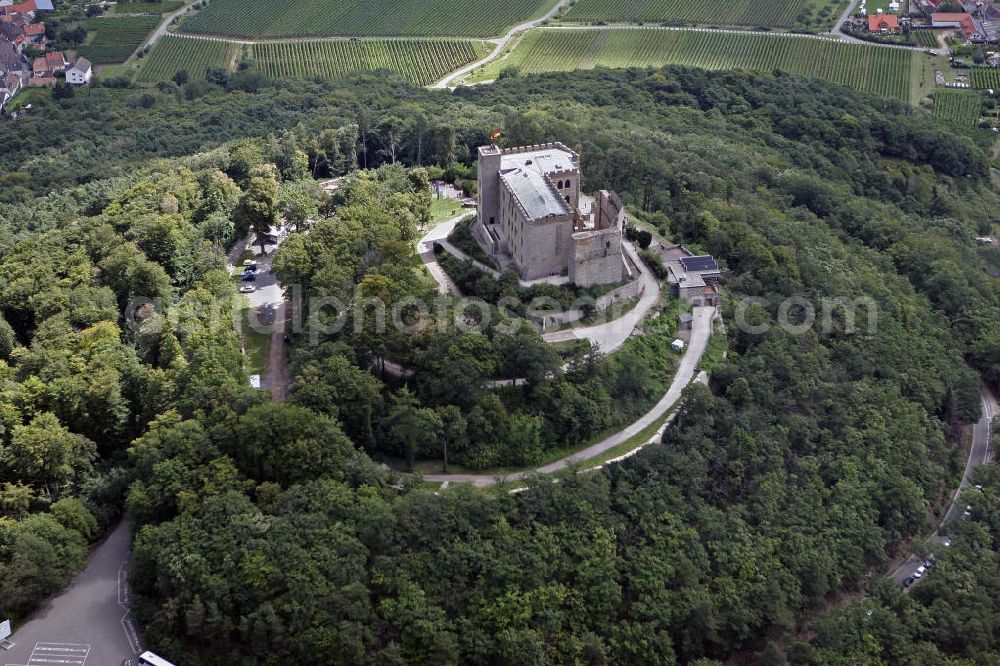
[
  {"x": 25, "y": 8},
  {"x": 47, "y": 65},
  {"x": 955, "y": 20},
  {"x": 883, "y": 23},
  {"x": 35, "y": 32}
]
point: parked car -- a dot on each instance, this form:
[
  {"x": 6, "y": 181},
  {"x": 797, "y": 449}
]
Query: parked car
[
  {"x": 249, "y": 277},
  {"x": 247, "y": 289},
  {"x": 921, "y": 570},
  {"x": 249, "y": 265}
]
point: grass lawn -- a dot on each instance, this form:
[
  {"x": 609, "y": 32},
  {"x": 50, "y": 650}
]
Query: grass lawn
[
  {"x": 34, "y": 96},
  {"x": 444, "y": 209},
  {"x": 718, "y": 345},
  {"x": 922, "y": 75},
  {"x": 256, "y": 344},
  {"x": 114, "y": 70}
]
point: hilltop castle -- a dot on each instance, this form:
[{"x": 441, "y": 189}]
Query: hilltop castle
[{"x": 530, "y": 216}]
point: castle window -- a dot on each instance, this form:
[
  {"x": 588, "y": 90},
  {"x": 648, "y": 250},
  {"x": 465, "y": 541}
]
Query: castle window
[
  {"x": 567, "y": 198},
  {"x": 559, "y": 185}
]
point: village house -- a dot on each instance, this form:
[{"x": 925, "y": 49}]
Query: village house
[
  {"x": 48, "y": 64},
  {"x": 79, "y": 74},
  {"x": 883, "y": 23},
  {"x": 26, "y": 8},
  {"x": 11, "y": 61},
  {"x": 529, "y": 216},
  {"x": 44, "y": 69},
  {"x": 9, "y": 85},
  {"x": 964, "y": 22},
  {"x": 692, "y": 278}
]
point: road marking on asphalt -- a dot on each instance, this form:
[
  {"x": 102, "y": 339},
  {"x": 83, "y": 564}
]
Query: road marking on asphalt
[
  {"x": 73, "y": 654},
  {"x": 124, "y": 594}
]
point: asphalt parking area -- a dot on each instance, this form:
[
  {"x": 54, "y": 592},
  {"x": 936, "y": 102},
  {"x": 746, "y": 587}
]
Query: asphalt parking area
[{"x": 67, "y": 654}]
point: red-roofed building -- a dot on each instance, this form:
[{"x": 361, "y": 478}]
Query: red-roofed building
[
  {"x": 883, "y": 23},
  {"x": 26, "y": 8},
  {"x": 35, "y": 32},
  {"x": 48, "y": 64},
  {"x": 965, "y": 22}
]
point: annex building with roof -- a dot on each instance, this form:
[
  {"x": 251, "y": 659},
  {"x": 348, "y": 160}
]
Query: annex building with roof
[{"x": 530, "y": 217}]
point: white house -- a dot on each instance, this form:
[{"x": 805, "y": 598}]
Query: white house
[{"x": 79, "y": 74}]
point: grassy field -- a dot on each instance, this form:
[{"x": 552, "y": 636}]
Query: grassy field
[
  {"x": 303, "y": 18},
  {"x": 164, "y": 7},
  {"x": 879, "y": 70},
  {"x": 444, "y": 209},
  {"x": 257, "y": 345},
  {"x": 814, "y": 14},
  {"x": 195, "y": 56},
  {"x": 420, "y": 61},
  {"x": 961, "y": 107},
  {"x": 113, "y": 39},
  {"x": 986, "y": 78}
]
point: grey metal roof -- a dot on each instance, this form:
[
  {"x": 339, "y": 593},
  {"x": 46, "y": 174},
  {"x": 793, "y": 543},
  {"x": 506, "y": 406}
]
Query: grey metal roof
[
  {"x": 549, "y": 159},
  {"x": 533, "y": 190}
]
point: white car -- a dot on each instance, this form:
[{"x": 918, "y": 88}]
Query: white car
[{"x": 247, "y": 289}]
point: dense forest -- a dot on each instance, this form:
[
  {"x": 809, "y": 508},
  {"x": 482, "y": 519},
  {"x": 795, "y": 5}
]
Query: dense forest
[{"x": 268, "y": 533}]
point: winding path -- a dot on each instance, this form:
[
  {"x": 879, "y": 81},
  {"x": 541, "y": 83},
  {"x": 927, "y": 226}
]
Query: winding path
[
  {"x": 686, "y": 370},
  {"x": 979, "y": 454},
  {"x": 165, "y": 24},
  {"x": 608, "y": 336},
  {"x": 611, "y": 335},
  {"x": 500, "y": 44}
]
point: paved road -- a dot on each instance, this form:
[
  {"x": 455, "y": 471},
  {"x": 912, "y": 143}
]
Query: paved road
[
  {"x": 425, "y": 248},
  {"x": 843, "y": 19},
  {"x": 88, "y": 624},
  {"x": 269, "y": 307},
  {"x": 500, "y": 44},
  {"x": 979, "y": 454},
  {"x": 700, "y": 334},
  {"x": 165, "y": 24},
  {"x": 611, "y": 335}
]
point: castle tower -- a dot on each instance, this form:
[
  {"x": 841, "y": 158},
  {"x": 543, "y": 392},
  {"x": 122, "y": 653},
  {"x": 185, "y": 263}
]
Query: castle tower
[{"x": 489, "y": 183}]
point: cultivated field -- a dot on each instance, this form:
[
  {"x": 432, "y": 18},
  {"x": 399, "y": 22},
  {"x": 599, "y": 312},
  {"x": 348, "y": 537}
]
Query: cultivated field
[
  {"x": 420, "y": 61},
  {"x": 194, "y": 56},
  {"x": 925, "y": 38},
  {"x": 882, "y": 71},
  {"x": 961, "y": 107},
  {"x": 114, "y": 39},
  {"x": 816, "y": 14},
  {"x": 301, "y": 18},
  {"x": 986, "y": 78},
  {"x": 164, "y": 7}
]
